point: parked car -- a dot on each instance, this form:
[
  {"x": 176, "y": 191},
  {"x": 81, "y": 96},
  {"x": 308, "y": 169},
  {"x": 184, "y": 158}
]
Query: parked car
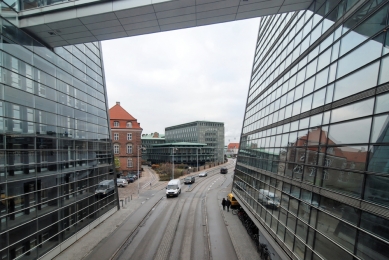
[
  {"x": 105, "y": 188},
  {"x": 203, "y": 174},
  {"x": 189, "y": 180},
  {"x": 268, "y": 199},
  {"x": 130, "y": 179},
  {"x": 231, "y": 198},
  {"x": 121, "y": 182}
]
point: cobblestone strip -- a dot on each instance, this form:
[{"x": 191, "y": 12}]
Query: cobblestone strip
[{"x": 167, "y": 240}]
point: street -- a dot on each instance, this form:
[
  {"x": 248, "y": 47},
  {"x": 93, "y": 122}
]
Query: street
[{"x": 190, "y": 226}]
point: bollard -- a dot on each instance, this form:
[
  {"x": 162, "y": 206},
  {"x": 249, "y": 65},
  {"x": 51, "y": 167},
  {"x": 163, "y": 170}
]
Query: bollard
[{"x": 122, "y": 202}]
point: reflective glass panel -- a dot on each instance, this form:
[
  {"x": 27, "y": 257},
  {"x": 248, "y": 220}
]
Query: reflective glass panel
[{"x": 344, "y": 133}]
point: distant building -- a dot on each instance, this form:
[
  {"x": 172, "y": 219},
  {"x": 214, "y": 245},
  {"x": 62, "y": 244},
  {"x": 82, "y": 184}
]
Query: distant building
[
  {"x": 150, "y": 139},
  {"x": 232, "y": 149},
  {"x": 209, "y": 133},
  {"x": 126, "y": 139},
  {"x": 181, "y": 153}
]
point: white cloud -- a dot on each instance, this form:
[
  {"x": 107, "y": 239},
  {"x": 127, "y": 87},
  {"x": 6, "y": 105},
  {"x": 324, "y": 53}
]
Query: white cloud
[{"x": 181, "y": 76}]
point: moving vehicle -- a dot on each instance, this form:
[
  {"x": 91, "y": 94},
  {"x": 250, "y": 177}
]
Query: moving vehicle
[
  {"x": 268, "y": 199},
  {"x": 105, "y": 188},
  {"x": 231, "y": 198},
  {"x": 223, "y": 170},
  {"x": 189, "y": 180},
  {"x": 203, "y": 174},
  {"x": 121, "y": 182},
  {"x": 173, "y": 188}
]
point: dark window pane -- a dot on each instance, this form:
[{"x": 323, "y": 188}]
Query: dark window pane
[
  {"x": 375, "y": 224},
  {"x": 329, "y": 250},
  {"x": 371, "y": 248},
  {"x": 342, "y": 181},
  {"x": 378, "y": 161},
  {"x": 376, "y": 189}
]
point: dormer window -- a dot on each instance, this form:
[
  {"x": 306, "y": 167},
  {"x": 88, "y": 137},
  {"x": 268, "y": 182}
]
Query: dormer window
[
  {"x": 116, "y": 123},
  {"x": 129, "y": 125}
]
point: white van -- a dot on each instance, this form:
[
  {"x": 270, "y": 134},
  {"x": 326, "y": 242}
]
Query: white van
[{"x": 173, "y": 188}]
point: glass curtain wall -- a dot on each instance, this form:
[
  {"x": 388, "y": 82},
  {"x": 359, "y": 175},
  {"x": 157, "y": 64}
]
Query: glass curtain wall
[
  {"x": 55, "y": 143},
  {"x": 313, "y": 162}
]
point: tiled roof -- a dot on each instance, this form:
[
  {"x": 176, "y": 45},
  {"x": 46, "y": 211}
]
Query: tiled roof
[
  {"x": 117, "y": 112},
  {"x": 233, "y": 146}
]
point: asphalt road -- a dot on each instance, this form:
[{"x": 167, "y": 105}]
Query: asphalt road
[{"x": 186, "y": 227}]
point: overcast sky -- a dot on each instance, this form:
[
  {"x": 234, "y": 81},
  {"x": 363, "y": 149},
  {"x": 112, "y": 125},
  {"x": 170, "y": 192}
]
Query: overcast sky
[{"x": 181, "y": 76}]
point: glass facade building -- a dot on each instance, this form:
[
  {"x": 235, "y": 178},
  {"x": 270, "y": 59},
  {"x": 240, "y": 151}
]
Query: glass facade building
[
  {"x": 55, "y": 143},
  {"x": 205, "y": 132},
  {"x": 316, "y": 132}
]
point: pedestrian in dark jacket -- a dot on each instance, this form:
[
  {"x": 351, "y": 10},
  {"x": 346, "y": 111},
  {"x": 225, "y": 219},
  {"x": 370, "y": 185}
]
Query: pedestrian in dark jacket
[
  {"x": 228, "y": 204},
  {"x": 224, "y": 203}
]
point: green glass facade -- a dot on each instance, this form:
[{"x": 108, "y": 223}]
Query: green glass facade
[
  {"x": 315, "y": 132},
  {"x": 55, "y": 143}
]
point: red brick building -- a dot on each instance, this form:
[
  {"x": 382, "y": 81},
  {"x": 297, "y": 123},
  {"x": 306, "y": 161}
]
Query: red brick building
[{"x": 126, "y": 139}]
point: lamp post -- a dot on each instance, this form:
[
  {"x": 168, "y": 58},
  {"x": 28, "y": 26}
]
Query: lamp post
[
  {"x": 173, "y": 149},
  {"x": 197, "y": 154},
  {"x": 143, "y": 149}
]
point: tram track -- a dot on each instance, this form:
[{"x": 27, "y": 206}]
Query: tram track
[{"x": 170, "y": 225}]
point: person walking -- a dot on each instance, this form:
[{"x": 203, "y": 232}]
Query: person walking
[
  {"x": 224, "y": 203},
  {"x": 228, "y": 204}
]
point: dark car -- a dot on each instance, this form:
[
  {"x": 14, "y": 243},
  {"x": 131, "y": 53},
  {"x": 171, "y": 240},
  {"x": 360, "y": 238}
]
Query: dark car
[
  {"x": 105, "y": 188},
  {"x": 224, "y": 170},
  {"x": 129, "y": 178},
  {"x": 189, "y": 180}
]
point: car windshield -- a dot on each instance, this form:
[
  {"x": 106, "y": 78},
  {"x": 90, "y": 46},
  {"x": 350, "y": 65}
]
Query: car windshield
[
  {"x": 172, "y": 187},
  {"x": 188, "y": 178},
  {"x": 102, "y": 187}
]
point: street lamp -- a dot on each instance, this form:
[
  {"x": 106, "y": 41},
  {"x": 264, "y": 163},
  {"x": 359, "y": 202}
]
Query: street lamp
[
  {"x": 143, "y": 149},
  {"x": 173, "y": 149},
  {"x": 197, "y": 150}
]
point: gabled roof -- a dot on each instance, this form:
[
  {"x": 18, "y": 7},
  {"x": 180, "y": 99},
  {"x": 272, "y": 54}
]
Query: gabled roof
[
  {"x": 233, "y": 146},
  {"x": 117, "y": 112}
]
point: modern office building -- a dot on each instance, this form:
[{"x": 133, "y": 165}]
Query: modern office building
[
  {"x": 209, "y": 133},
  {"x": 126, "y": 140},
  {"x": 191, "y": 154},
  {"x": 148, "y": 140},
  {"x": 55, "y": 143},
  {"x": 315, "y": 138}
]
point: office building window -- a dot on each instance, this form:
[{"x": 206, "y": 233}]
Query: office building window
[
  {"x": 116, "y": 149},
  {"x": 115, "y": 136},
  {"x": 129, "y": 136}
]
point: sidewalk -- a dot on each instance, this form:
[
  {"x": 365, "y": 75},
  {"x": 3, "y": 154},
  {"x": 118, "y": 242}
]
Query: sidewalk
[{"x": 243, "y": 244}]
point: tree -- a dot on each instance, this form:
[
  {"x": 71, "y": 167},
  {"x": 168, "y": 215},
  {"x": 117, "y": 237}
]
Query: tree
[{"x": 117, "y": 162}]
